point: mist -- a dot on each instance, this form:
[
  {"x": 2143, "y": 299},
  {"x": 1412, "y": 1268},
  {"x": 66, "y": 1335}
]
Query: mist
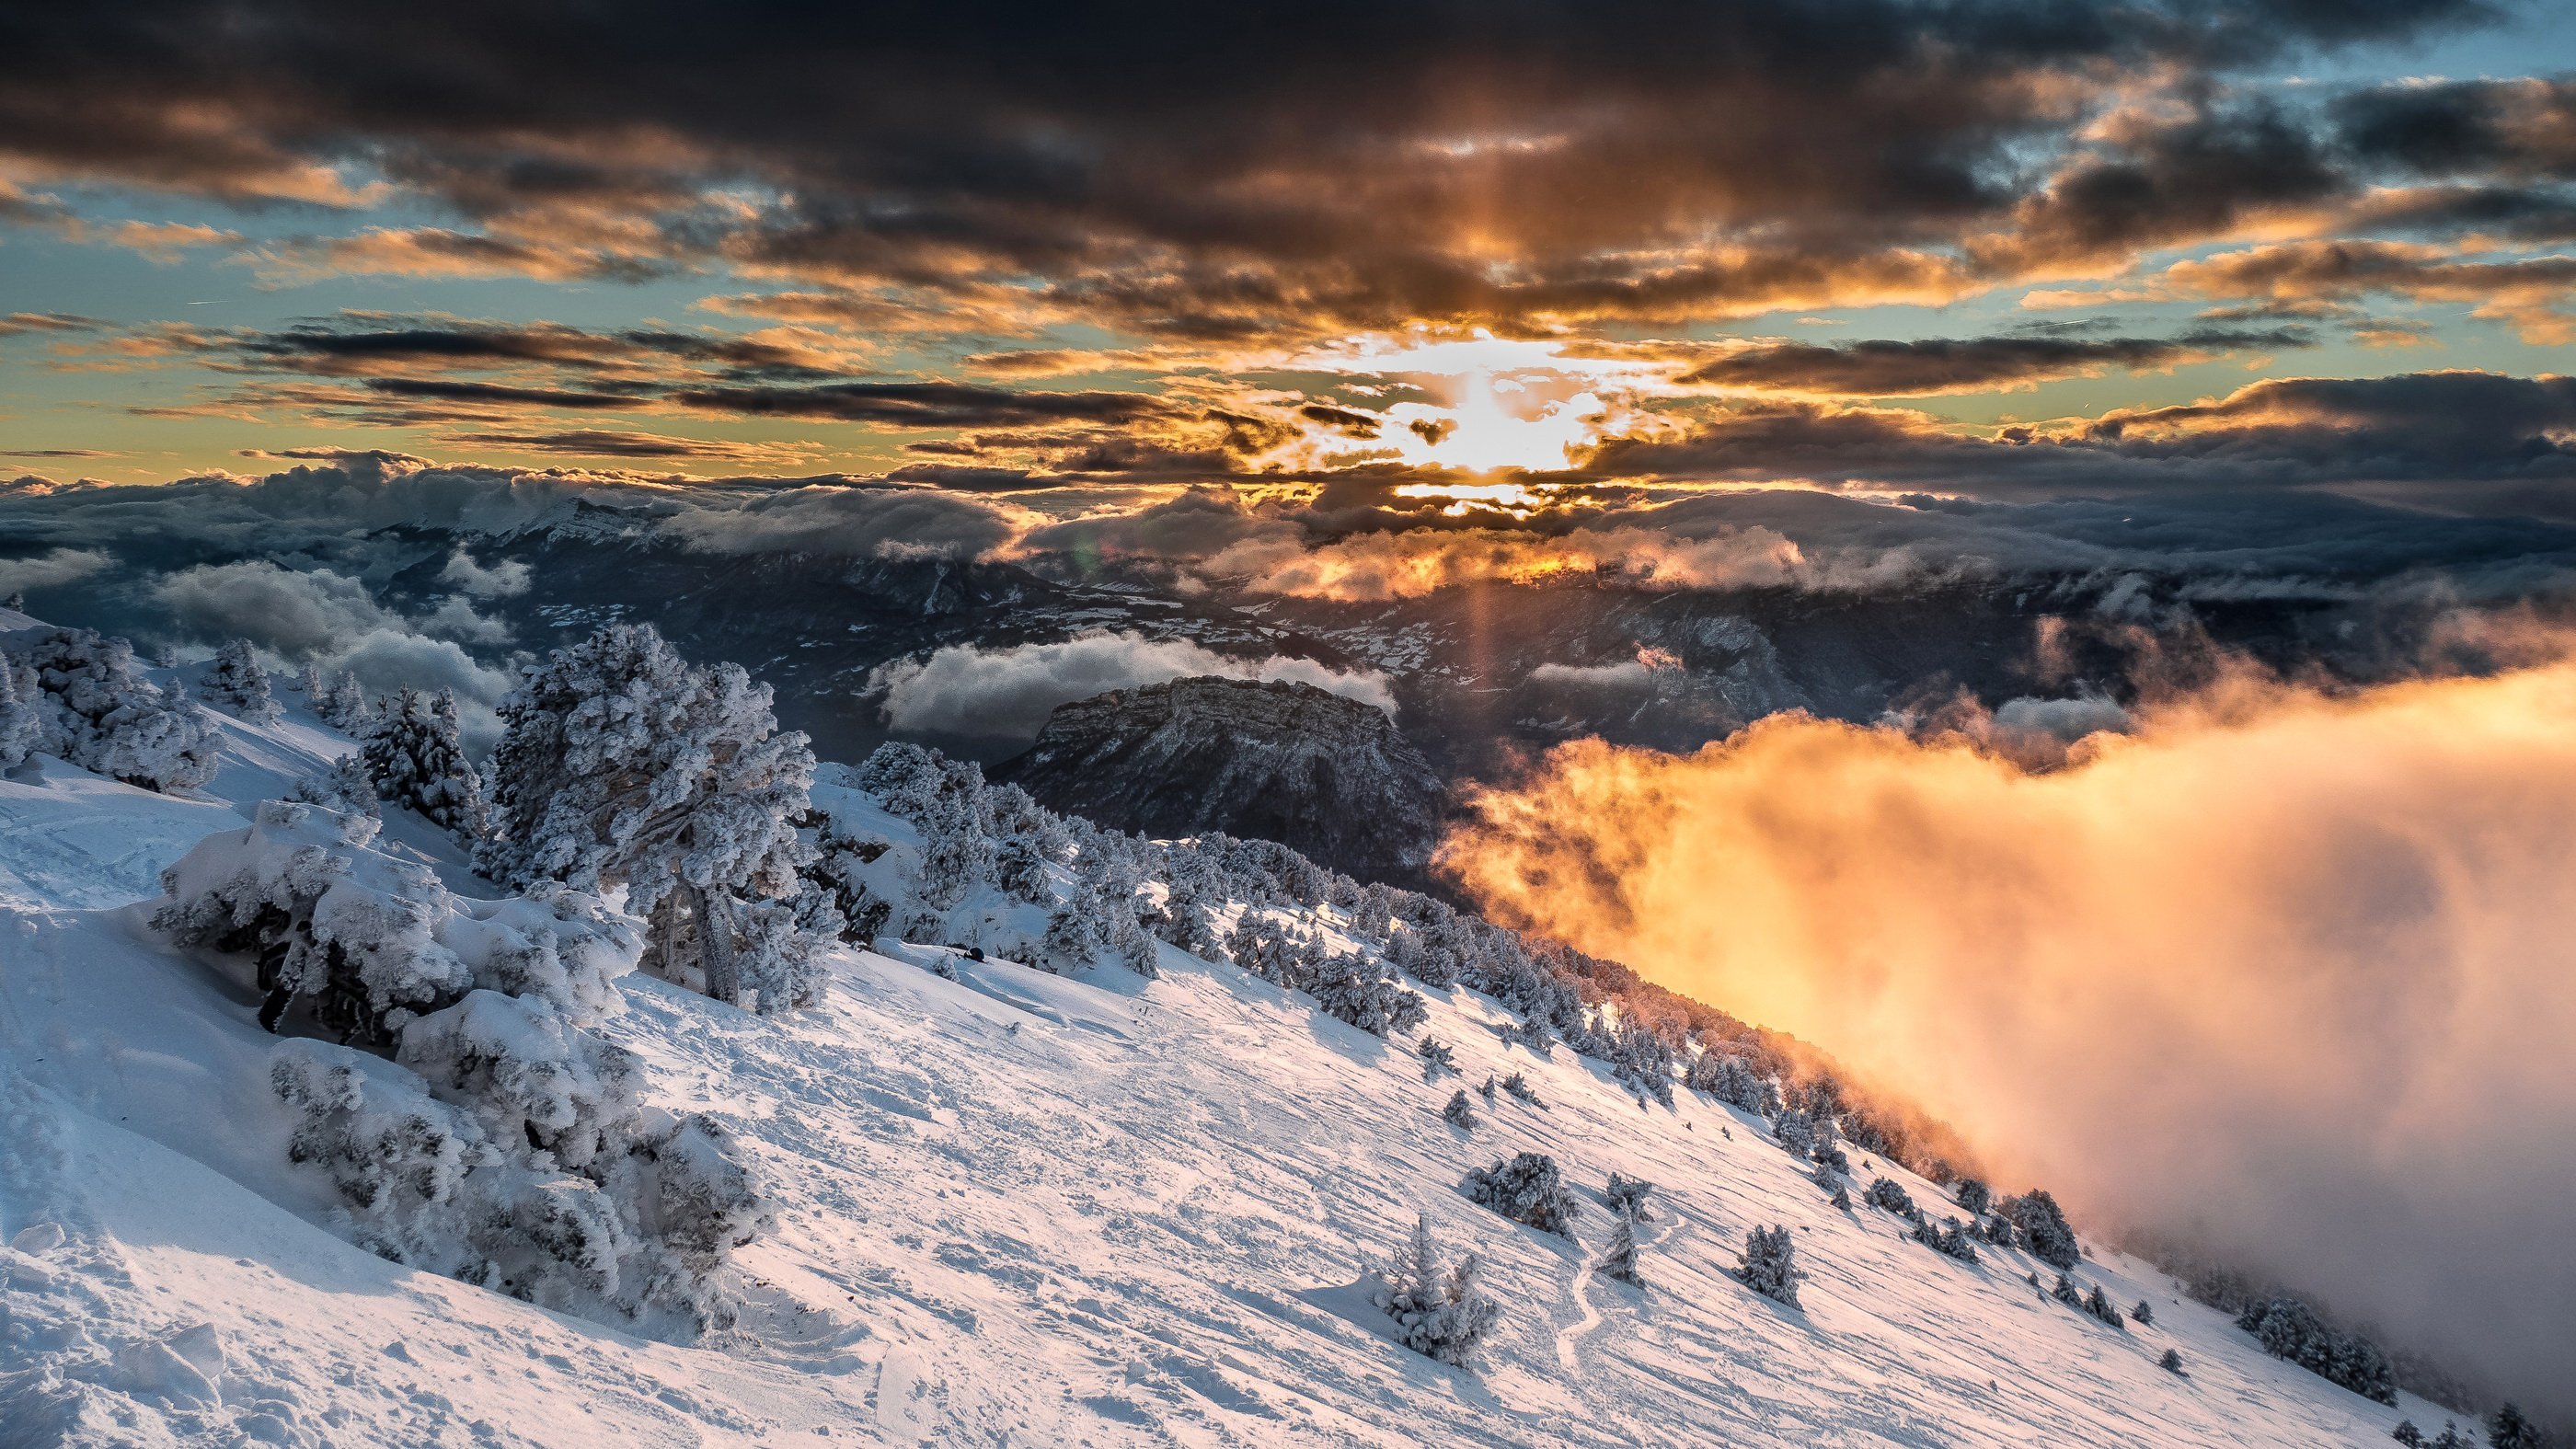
[{"x": 2284, "y": 975}]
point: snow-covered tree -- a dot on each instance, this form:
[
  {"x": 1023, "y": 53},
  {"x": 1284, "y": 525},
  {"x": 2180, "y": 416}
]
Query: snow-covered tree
[
  {"x": 622, "y": 764},
  {"x": 2289, "y": 1329},
  {"x": 416, "y": 754},
  {"x": 1973, "y": 1196},
  {"x": 1628, "y": 1195},
  {"x": 1351, "y": 988},
  {"x": 2405, "y": 1433},
  {"x": 236, "y": 682},
  {"x": 2144, "y": 1313},
  {"x": 103, "y": 715},
  {"x": 836, "y": 895},
  {"x": 345, "y": 787},
  {"x": 1619, "y": 1259},
  {"x": 1191, "y": 892},
  {"x": 1794, "y": 1131},
  {"x": 1527, "y": 1189},
  {"x": 1439, "y": 1058},
  {"x": 1460, "y": 1112},
  {"x": 1076, "y": 931},
  {"x": 342, "y": 704},
  {"x": 1946, "y": 1238},
  {"x": 2042, "y": 1228},
  {"x": 2172, "y": 1363},
  {"x": 1020, "y": 869},
  {"x": 1769, "y": 1265},
  {"x": 22, "y": 714},
  {"x": 310, "y": 683},
  {"x": 2508, "y": 1429},
  {"x": 2452, "y": 1438},
  {"x": 1439, "y": 1311},
  {"x": 1521, "y": 1091},
  {"x": 1885, "y": 1194}
]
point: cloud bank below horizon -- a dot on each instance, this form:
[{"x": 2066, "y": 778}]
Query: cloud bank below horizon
[{"x": 2282, "y": 975}]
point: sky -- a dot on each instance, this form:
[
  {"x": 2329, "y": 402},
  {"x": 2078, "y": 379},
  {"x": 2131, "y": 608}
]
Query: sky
[{"x": 1433, "y": 256}]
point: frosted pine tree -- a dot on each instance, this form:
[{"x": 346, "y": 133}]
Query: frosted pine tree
[
  {"x": 103, "y": 715},
  {"x": 2509, "y": 1429},
  {"x": 1628, "y": 1194},
  {"x": 1075, "y": 931},
  {"x": 416, "y": 754},
  {"x": 622, "y": 764},
  {"x": 310, "y": 683},
  {"x": 346, "y": 788},
  {"x": 1438, "y": 1310},
  {"x": 1020, "y": 868},
  {"x": 22, "y": 714},
  {"x": 1619, "y": 1260},
  {"x": 1769, "y": 1265},
  {"x": 2042, "y": 1228},
  {"x": 236, "y": 682},
  {"x": 1527, "y": 1189},
  {"x": 343, "y": 704}
]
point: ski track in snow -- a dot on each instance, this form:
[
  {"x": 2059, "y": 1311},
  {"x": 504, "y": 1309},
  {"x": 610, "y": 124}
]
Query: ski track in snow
[{"x": 1014, "y": 1209}]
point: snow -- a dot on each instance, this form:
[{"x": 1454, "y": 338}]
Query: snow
[{"x": 1012, "y": 1207}]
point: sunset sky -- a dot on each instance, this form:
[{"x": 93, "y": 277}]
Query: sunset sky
[{"x": 1485, "y": 252}]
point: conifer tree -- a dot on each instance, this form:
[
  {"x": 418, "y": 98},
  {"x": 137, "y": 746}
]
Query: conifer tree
[
  {"x": 22, "y": 714},
  {"x": 621, "y": 763},
  {"x": 103, "y": 715},
  {"x": 1619, "y": 1260},
  {"x": 236, "y": 682},
  {"x": 1769, "y": 1265},
  {"x": 1460, "y": 1113},
  {"x": 416, "y": 755},
  {"x": 2508, "y": 1429},
  {"x": 1438, "y": 1310}
]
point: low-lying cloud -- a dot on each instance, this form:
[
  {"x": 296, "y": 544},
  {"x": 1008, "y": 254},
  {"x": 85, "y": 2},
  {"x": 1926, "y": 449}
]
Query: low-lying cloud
[
  {"x": 1007, "y": 693},
  {"x": 2282, "y": 974},
  {"x": 316, "y": 616}
]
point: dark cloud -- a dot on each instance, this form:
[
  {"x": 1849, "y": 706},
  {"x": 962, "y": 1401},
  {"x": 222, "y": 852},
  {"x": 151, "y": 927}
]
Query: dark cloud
[
  {"x": 2520, "y": 128},
  {"x": 15, "y": 323},
  {"x": 1203, "y": 175},
  {"x": 488, "y": 392},
  {"x": 2431, "y": 429},
  {"x": 923, "y": 404},
  {"x": 1938, "y": 365}
]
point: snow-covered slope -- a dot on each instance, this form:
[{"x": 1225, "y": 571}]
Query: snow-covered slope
[{"x": 1012, "y": 1208}]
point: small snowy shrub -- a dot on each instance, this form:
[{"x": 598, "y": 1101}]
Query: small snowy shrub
[
  {"x": 520, "y": 1162},
  {"x": 1438, "y": 1310},
  {"x": 105, "y": 717},
  {"x": 1460, "y": 1113},
  {"x": 235, "y": 681},
  {"x": 1794, "y": 1131},
  {"x": 1527, "y": 1189},
  {"x": 2099, "y": 1304},
  {"x": 1769, "y": 1265},
  {"x": 2289, "y": 1329},
  {"x": 345, "y": 788},
  {"x": 1438, "y": 1058},
  {"x": 1887, "y": 1195},
  {"x": 1628, "y": 1195},
  {"x": 365, "y": 943},
  {"x": 2144, "y": 1313},
  {"x": 1947, "y": 1238},
  {"x": 2405, "y": 1433},
  {"x": 1521, "y": 1091},
  {"x": 2172, "y": 1363},
  {"x": 2042, "y": 1228}
]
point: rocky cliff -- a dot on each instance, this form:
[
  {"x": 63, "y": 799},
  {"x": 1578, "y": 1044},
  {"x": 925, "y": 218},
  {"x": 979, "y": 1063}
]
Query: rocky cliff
[{"x": 1326, "y": 775}]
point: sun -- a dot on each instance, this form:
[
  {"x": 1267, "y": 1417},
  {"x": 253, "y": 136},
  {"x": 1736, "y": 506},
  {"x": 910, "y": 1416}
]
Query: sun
[{"x": 1493, "y": 404}]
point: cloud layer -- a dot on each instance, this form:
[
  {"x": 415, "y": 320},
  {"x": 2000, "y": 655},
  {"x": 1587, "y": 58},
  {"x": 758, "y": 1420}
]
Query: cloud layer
[
  {"x": 2281, "y": 974},
  {"x": 1007, "y": 693}
]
